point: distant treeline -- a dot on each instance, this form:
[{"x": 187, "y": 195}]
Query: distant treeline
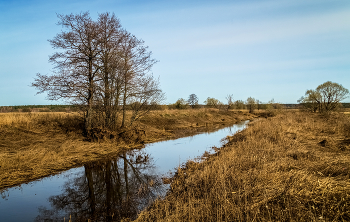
[
  {"x": 40, "y": 108},
  {"x": 76, "y": 108},
  {"x": 346, "y": 105}
]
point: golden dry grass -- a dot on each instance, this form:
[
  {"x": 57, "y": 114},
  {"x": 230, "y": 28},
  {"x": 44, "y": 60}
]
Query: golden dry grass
[
  {"x": 292, "y": 167},
  {"x": 33, "y": 145},
  {"x": 20, "y": 119}
]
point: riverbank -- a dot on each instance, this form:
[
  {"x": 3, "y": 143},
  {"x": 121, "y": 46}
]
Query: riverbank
[
  {"x": 35, "y": 145},
  {"x": 291, "y": 167}
]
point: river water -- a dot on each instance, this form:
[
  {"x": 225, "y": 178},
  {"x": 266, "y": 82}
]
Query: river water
[{"x": 111, "y": 190}]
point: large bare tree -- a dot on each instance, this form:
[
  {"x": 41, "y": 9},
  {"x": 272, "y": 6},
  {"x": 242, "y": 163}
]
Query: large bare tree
[
  {"x": 103, "y": 67},
  {"x": 75, "y": 64}
]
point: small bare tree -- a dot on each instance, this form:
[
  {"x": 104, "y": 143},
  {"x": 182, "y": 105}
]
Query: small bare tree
[
  {"x": 258, "y": 104},
  {"x": 230, "y": 102},
  {"x": 311, "y": 100},
  {"x": 146, "y": 96},
  {"x": 251, "y": 104},
  {"x": 193, "y": 100}
]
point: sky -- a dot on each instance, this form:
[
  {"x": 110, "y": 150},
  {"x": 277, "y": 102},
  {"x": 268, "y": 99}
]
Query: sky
[{"x": 264, "y": 49}]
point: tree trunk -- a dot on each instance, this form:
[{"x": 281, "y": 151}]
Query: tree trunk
[
  {"x": 124, "y": 101},
  {"x": 88, "y": 121}
]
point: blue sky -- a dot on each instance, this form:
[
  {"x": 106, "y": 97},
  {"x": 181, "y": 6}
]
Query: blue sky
[{"x": 263, "y": 49}]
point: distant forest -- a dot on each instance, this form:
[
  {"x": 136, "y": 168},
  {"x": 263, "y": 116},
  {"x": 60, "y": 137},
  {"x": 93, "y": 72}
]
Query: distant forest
[{"x": 75, "y": 108}]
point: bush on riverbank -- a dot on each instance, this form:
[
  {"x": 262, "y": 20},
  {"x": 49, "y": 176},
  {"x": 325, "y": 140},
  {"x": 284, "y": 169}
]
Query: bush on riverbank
[{"x": 292, "y": 167}]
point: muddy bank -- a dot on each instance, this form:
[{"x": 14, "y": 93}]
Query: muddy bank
[{"x": 37, "y": 145}]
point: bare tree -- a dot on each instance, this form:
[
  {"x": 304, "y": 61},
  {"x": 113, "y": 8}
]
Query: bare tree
[
  {"x": 75, "y": 65},
  {"x": 251, "y": 103},
  {"x": 230, "y": 103},
  {"x": 103, "y": 67},
  {"x": 331, "y": 94},
  {"x": 110, "y": 84},
  {"x": 146, "y": 95},
  {"x": 134, "y": 63},
  {"x": 258, "y": 104},
  {"x": 193, "y": 100},
  {"x": 311, "y": 100},
  {"x": 325, "y": 98}
]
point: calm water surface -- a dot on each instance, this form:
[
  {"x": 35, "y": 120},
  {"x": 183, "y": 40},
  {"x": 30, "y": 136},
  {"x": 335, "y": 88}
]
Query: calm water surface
[{"x": 107, "y": 191}]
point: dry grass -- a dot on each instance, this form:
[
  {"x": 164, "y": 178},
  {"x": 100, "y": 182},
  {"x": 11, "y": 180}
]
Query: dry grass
[
  {"x": 28, "y": 119},
  {"x": 292, "y": 167},
  {"x": 34, "y": 145},
  {"x": 172, "y": 124}
]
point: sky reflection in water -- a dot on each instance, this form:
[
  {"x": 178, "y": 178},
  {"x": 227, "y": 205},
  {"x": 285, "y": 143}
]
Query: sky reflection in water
[{"x": 107, "y": 191}]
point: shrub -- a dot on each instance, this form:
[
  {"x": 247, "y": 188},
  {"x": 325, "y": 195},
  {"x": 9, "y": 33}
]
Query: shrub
[
  {"x": 26, "y": 110},
  {"x": 181, "y": 104},
  {"x": 212, "y": 102},
  {"x": 239, "y": 104}
]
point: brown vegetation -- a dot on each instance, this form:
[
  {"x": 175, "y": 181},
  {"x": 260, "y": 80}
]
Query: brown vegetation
[
  {"x": 291, "y": 167},
  {"x": 34, "y": 145}
]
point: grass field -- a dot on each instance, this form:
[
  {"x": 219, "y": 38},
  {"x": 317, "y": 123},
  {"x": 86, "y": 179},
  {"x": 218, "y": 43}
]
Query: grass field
[
  {"x": 34, "y": 145},
  {"x": 292, "y": 167}
]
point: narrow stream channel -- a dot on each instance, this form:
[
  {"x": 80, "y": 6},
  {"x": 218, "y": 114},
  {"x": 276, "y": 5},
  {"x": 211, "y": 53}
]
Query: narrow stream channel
[{"x": 107, "y": 191}]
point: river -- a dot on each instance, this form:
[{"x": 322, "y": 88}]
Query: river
[{"x": 108, "y": 190}]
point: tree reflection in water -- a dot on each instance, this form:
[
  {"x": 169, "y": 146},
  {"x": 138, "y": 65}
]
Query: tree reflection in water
[{"x": 108, "y": 191}]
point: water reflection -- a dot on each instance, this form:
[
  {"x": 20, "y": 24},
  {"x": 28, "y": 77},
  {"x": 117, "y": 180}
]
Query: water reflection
[{"x": 107, "y": 191}]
